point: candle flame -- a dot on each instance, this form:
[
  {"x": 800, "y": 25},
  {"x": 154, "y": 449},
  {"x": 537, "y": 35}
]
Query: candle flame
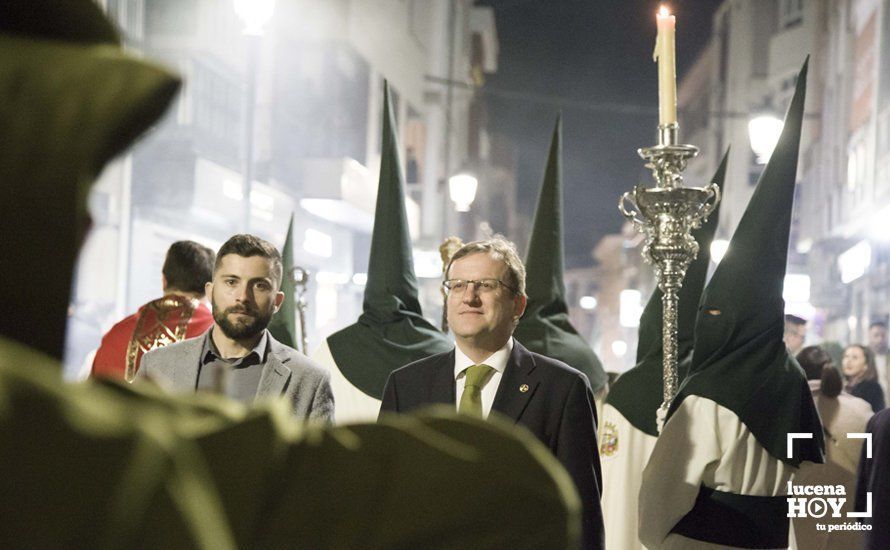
[{"x": 663, "y": 11}]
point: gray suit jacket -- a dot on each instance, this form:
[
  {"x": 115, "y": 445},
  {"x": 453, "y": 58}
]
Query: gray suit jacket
[{"x": 286, "y": 373}]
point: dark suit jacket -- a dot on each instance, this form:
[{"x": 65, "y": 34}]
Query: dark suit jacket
[
  {"x": 287, "y": 373},
  {"x": 558, "y": 409}
]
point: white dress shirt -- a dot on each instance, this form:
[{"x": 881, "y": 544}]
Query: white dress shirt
[{"x": 497, "y": 361}]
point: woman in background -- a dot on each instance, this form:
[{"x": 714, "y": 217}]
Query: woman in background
[
  {"x": 861, "y": 373},
  {"x": 841, "y": 414}
]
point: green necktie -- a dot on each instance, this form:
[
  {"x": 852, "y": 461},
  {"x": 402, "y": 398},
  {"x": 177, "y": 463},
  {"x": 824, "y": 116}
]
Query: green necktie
[{"x": 471, "y": 399}]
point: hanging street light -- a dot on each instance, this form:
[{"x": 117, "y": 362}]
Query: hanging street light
[
  {"x": 718, "y": 249},
  {"x": 462, "y": 190},
  {"x": 764, "y": 130},
  {"x": 255, "y": 14}
]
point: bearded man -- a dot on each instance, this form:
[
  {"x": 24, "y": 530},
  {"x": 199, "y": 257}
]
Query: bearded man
[{"x": 238, "y": 357}]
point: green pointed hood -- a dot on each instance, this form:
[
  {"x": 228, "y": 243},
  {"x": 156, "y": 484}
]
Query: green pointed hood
[
  {"x": 70, "y": 100},
  {"x": 284, "y": 324},
  {"x": 638, "y": 393},
  {"x": 740, "y": 360},
  {"x": 545, "y": 327},
  {"x": 391, "y": 331}
]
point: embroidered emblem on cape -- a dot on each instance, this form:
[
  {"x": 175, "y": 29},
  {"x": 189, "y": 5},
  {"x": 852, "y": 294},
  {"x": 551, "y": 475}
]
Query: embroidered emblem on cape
[
  {"x": 161, "y": 322},
  {"x": 609, "y": 440}
]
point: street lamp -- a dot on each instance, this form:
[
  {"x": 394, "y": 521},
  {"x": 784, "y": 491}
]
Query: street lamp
[
  {"x": 854, "y": 263},
  {"x": 718, "y": 249},
  {"x": 764, "y": 130},
  {"x": 254, "y": 14},
  {"x": 462, "y": 189},
  {"x": 619, "y": 348},
  {"x": 630, "y": 307}
]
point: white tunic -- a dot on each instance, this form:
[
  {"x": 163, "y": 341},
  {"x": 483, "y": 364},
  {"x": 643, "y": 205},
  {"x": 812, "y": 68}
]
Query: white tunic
[
  {"x": 624, "y": 451},
  {"x": 702, "y": 443},
  {"x": 350, "y": 403},
  {"x": 841, "y": 415}
]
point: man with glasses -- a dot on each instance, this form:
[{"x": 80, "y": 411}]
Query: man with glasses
[{"x": 490, "y": 371}]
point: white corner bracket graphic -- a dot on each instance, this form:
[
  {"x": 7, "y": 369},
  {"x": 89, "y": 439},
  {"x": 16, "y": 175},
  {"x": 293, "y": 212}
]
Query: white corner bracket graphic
[
  {"x": 866, "y": 437},
  {"x": 867, "y": 512},
  {"x": 796, "y": 435}
]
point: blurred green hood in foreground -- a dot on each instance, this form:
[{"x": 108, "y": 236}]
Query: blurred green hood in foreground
[{"x": 108, "y": 465}]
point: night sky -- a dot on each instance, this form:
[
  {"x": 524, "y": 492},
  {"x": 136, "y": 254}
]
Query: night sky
[{"x": 592, "y": 60}]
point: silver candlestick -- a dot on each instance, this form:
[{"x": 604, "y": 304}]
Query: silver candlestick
[{"x": 666, "y": 214}]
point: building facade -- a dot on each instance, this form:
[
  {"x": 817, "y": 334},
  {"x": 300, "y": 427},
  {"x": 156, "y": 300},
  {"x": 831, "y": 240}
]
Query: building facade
[
  {"x": 286, "y": 123},
  {"x": 839, "y": 261}
]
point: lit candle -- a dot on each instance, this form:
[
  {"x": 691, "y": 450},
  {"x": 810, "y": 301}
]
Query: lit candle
[{"x": 667, "y": 74}]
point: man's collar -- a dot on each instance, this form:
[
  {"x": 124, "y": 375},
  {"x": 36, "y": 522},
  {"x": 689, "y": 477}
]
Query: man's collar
[
  {"x": 497, "y": 360},
  {"x": 210, "y": 352}
]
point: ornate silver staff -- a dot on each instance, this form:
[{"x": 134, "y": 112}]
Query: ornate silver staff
[
  {"x": 301, "y": 280},
  {"x": 666, "y": 214}
]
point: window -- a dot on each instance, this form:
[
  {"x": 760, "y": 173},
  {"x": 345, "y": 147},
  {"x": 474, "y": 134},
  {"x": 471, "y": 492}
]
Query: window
[
  {"x": 128, "y": 15},
  {"x": 414, "y": 139},
  {"x": 790, "y": 13},
  {"x": 171, "y": 17},
  {"x": 754, "y": 170},
  {"x": 851, "y": 170}
]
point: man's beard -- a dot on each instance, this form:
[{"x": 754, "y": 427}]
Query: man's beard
[{"x": 246, "y": 327}]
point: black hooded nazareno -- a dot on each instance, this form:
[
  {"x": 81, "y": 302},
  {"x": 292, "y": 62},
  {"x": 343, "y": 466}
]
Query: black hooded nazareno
[
  {"x": 545, "y": 327},
  {"x": 739, "y": 358},
  {"x": 391, "y": 331}
]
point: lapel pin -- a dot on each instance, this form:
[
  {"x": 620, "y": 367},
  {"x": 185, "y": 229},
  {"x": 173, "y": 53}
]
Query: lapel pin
[{"x": 523, "y": 388}]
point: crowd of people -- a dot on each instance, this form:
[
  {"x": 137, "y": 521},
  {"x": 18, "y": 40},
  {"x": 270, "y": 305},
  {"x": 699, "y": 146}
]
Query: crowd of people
[
  {"x": 861, "y": 368},
  {"x": 848, "y": 393}
]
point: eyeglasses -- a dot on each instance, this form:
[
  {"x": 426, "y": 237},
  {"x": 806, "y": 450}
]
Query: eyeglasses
[{"x": 483, "y": 286}]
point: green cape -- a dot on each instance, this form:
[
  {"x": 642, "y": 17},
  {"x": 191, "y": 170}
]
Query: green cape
[
  {"x": 638, "y": 393},
  {"x": 739, "y": 358},
  {"x": 391, "y": 331},
  {"x": 545, "y": 327},
  {"x": 284, "y": 324}
]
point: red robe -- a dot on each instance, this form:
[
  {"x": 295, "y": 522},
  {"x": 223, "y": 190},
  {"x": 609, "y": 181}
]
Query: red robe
[{"x": 160, "y": 322}]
